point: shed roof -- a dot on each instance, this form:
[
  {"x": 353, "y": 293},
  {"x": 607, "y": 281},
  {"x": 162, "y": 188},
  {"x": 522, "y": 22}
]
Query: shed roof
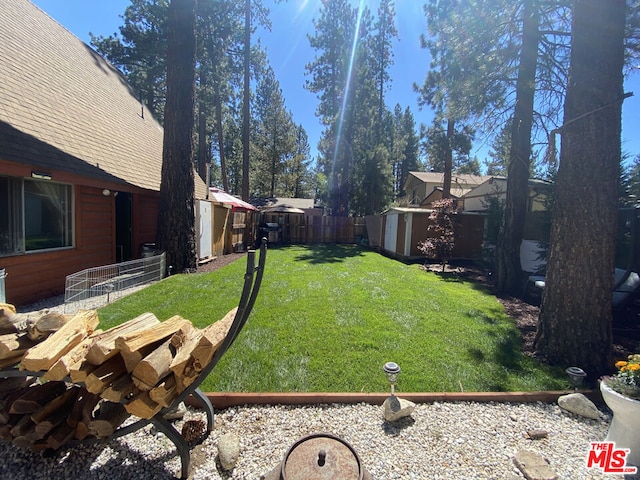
[
  {"x": 302, "y": 203},
  {"x": 64, "y": 107},
  {"x": 221, "y": 196}
]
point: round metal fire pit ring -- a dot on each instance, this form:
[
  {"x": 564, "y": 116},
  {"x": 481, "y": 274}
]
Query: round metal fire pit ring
[{"x": 320, "y": 456}]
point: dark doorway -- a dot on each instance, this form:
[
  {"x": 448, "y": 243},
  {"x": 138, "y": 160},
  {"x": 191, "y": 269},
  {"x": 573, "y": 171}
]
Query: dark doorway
[{"x": 123, "y": 227}]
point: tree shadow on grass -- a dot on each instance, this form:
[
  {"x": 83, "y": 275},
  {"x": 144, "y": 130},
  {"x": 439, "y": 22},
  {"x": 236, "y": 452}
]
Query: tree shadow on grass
[{"x": 322, "y": 254}]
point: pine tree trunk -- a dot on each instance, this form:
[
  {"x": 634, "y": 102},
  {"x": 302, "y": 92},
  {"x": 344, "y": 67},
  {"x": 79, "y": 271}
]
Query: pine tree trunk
[
  {"x": 574, "y": 327},
  {"x": 448, "y": 160},
  {"x": 203, "y": 144},
  {"x": 246, "y": 96},
  {"x": 220, "y": 131},
  {"x": 508, "y": 269},
  {"x": 176, "y": 219}
]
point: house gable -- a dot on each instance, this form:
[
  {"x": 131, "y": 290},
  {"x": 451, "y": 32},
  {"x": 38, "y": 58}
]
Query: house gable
[{"x": 420, "y": 185}]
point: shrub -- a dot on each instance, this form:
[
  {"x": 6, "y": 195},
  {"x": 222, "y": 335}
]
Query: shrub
[{"x": 439, "y": 245}]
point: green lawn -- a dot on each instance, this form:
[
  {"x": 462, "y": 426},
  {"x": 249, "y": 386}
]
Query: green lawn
[{"x": 329, "y": 316}]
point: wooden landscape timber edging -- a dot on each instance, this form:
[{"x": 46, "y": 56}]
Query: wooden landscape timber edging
[
  {"x": 224, "y": 400},
  {"x": 64, "y": 381}
]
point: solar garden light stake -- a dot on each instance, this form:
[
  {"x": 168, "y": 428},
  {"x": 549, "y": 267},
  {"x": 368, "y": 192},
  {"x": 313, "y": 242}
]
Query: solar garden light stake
[
  {"x": 392, "y": 370},
  {"x": 577, "y": 376}
]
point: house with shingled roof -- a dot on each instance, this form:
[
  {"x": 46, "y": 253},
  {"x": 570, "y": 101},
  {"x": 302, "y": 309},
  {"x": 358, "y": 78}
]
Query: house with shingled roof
[
  {"x": 80, "y": 157},
  {"x": 422, "y": 185}
]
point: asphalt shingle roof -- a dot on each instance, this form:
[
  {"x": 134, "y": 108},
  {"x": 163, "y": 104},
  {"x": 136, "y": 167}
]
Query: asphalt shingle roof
[{"x": 62, "y": 106}]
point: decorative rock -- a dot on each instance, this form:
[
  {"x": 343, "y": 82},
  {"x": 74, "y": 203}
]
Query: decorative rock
[
  {"x": 228, "y": 450},
  {"x": 393, "y": 414},
  {"x": 537, "y": 434},
  {"x": 579, "y": 404},
  {"x": 533, "y": 466}
]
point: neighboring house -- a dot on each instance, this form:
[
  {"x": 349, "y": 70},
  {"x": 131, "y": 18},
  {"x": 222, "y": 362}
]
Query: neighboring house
[
  {"x": 80, "y": 158},
  {"x": 471, "y": 194},
  {"x": 457, "y": 194},
  {"x": 419, "y": 185},
  {"x": 475, "y": 200}
]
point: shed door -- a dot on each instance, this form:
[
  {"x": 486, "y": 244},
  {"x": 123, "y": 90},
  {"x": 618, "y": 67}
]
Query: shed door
[
  {"x": 408, "y": 222},
  {"x": 204, "y": 229},
  {"x": 391, "y": 233}
]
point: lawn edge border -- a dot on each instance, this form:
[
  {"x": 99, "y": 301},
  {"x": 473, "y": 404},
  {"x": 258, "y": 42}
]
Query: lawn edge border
[{"x": 222, "y": 400}]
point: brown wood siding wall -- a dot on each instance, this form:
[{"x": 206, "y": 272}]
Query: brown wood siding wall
[
  {"x": 469, "y": 235},
  {"x": 418, "y": 232},
  {"x": 144, "y": 221}
]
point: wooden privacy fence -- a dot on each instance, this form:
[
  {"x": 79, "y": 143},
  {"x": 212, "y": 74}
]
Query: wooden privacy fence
[{"x": 307, "y": 229}]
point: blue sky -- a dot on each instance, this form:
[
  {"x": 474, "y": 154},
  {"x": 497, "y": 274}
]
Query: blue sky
[{"x": 289, "y": 52}]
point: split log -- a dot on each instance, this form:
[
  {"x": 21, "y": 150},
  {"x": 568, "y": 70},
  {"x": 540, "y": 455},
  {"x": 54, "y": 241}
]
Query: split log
[
  {"x": 9, "y": 397},
  {"x": 50, "y": 423},
  {"x": 104, "y": 375},
  {"x": 104, "y": 346},
  {"x": 23, "y": 426},
  {"x": 82, "y": 414},
  {"x": 10, "y": 362},
  {"x": 155, "y": 366},
  {"x": 194, "y": 356},
  {"x": 107, "y": 419},
  {"x": 10, "y": 385},
  {"x": 143, "y": 406},
  {"x": 134, "y": 346},
  {"x": 72, "y": 359},
  {"x": 12, "y": 322},
  {"x": 37, "y": 396},
  {"x": 59, "y": 436},
  {"x": 46, "y": 325},
  {"x": 140, "y": 385},
  {"x": 8, "y": 308},
  {"x": 46, "y": 353},
  {"x": 14, "y": 345},
  {"x": 5, "y": 430},
  {"x": 25, "y": 441},
  {"x": 62, "y": 403},
  {"x": 9, "y": 323},
  {"x": 165, "y": 392},
  {"x": 25, "y": 433},
  {"x": 80, "y": 371},
  {"x": 120, "y": 390},
  {"x": 85, "y": 401}
]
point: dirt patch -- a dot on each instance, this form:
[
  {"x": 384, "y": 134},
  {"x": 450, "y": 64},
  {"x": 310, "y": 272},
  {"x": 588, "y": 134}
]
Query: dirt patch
[{"x": 220, "y": 262}]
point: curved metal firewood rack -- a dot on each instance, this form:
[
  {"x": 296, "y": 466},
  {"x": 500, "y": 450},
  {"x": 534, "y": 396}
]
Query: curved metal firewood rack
[{"x": 251, "y": 287}]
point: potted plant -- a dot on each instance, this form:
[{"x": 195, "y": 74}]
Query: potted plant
[{"x": 621, "y": 393}]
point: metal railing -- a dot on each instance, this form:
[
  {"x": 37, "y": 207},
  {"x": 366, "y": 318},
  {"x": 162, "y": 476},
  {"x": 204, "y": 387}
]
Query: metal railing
[{"x": 94, "y": 287}]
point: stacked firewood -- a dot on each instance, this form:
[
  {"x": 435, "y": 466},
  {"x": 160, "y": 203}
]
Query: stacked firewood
[{"x": 92, "y": 380}]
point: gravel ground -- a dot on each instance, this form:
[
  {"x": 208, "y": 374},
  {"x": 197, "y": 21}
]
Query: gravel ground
[{"x": 439, "y": 441}]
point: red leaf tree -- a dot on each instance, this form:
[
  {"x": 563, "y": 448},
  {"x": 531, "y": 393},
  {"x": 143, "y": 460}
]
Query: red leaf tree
[{"x": 439, "y": 245}]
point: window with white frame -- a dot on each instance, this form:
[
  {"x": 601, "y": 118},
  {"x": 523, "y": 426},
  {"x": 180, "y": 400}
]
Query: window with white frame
[{"x": 34, "y": 215}]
